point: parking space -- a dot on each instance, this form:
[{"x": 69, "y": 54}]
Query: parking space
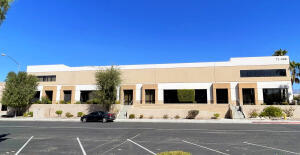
[{"x": 146, "y": 138}]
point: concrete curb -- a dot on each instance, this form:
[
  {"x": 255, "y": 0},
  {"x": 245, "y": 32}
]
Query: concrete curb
[{"x": 217, "y": 121}]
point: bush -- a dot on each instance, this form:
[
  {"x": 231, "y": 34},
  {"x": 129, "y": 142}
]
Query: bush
[
  {"x": 131, "y": 116},
  {"x": 45, "y": 100},
  {"x": 151, "y": 117},
  {"x": 192, "y": 114},
  {"x": 285, "y": 103},
  {"x": 216, "y": 115},
  {"x": 30, "y": 114},
  {"x": 69, "y": 115},
  {"x": 174, "y": 153},
  {"x": 186, "y": 95},
  {"x": 59, "y": 112},
  {"x": 253, "y": 113},
  {"x": 117, "y": 102},
  {"x": 271, "y": 112},
  {"x": 62, "y": 102},
  {"x": 289, "y": 111},
  {"x": 165, "y": 116},
  {"x": 37, "y": 102},
  {"x": 69, "y": 102},
  {"x": 141, "y": 116},
  {"x": 78, "y": 102},
  {"x": 80, "y": 114},
  {"x": 177, "y": 117},
  {"x": 25, "y": 114}
]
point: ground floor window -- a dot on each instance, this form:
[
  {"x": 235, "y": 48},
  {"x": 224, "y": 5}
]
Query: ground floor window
[
  {"x": 67, "y": 95},
  {"x": 86, "y": 95},
  {"x": 150, "y": 96},
  {"x": 248, "y": 96},
  {"x": 128, "y": 97},
  {"x": 49, "y": 94},
  {"x": 222, "y": 96},
  {"x": 36, "y": 97},
  {"x": 182, "y": 96},
  {"x": 274, "y": 96}
]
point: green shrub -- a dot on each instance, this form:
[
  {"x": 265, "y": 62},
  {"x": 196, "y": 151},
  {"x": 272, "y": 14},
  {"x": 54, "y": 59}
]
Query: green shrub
[
  {"x": 141, "y": 116},
  {"x": 30, "y": 114},
  {"x": 62, "y": 102},
  {"x": 80, "y": 114},
  {"x": 192, "y": 114},
  {"x": 165, "y": 116},
  {"x": 25, "y": 114},
  {"x": 45, "y": 100},
  {"x": 117, "y": 102},
  {"x": 68, "y": 115},
  {"x": 78, "y": 102},
  {"x": 37, "y": 102},
  {"x": 177, "y": 117},
  {"x": 253, "y": 113},
  {"x": 271, "y": 112},
  {"x": 216, "y": 115},
  {"x": 285, "y": 103},
  {"x": 131, "y": 116},
  {"x": 174, "y": 153},
  {"x": 186, "y": 95},
  {"x": 289, "y": 111},
  {"x": 59, "y": 112},
  {"x": 69, "y": 102}
]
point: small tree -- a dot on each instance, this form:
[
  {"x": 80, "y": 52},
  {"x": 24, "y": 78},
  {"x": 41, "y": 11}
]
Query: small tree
[
  {"x": 19, "y": 91},
  {"x": 107, "y": 82},
  {"x": 4, "y": 6}
]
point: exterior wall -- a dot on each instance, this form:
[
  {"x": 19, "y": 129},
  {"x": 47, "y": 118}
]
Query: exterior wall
[
  {"x": 48, "y": 110},
  {"x": 1, "y": 92},
  {"x": 259, "y": 108},
  {"x": 206, "y": 111},
  {"x": 160, "y": 77}
]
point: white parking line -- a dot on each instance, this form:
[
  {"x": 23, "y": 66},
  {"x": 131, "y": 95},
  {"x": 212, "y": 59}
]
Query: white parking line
[
  {"x": 205, "y": 147},
  {"x": 24, "y": 145},
  {"x": 270, "y": 148},
  {"x": 141, "y": 147},
  {"x": 82, "y": 149}
]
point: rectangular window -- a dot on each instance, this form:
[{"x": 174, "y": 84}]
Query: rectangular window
[
  {"x": 86, "y": 96},
  {"x": 185, "y": 96},
  {"x": 49, "y": 94},
  {"x": 248, "y": 96},
  {"x": 67, "y": 95},
  {"x": 273, "y": 96},
  {"x": 222, "y": 96},
  {"x": 47, "y": 78},
  {"x": 150, "y": 96},
  {"x": 263, "y": 73}
]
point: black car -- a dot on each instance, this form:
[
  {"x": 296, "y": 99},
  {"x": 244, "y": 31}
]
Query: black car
[{"x": 98, "y": 116}]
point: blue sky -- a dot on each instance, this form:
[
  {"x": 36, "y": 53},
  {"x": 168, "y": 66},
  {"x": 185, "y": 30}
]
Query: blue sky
[{"x": 116, "y": 32}]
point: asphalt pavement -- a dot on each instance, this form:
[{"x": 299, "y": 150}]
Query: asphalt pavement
[{"x": 136, "y": 138}]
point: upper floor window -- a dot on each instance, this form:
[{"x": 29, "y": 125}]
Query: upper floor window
[
  {"x": 263, "y": 73},
  {"x": 47, "y": 78}
]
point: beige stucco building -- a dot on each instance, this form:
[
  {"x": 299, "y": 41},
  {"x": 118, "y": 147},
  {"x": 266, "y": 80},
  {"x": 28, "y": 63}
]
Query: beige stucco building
[{"x": 154, "y": 89}]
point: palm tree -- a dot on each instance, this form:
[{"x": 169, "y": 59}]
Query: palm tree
[
  {"x": 294, "y": 68},
  {"x": 280, "y": 52}
]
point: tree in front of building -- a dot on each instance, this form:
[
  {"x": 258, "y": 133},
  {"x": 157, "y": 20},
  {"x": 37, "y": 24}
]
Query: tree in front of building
[
  {"x": 4, "y": 6},
  {"x": 107, "y": 82},
  {"x": 19, "y": 91},
  {"x": 294, "y": 66}
]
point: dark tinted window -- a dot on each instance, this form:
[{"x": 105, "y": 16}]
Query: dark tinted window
[
  {"x": 47, "y": 78},
  {"x": 263, "y": 73}
]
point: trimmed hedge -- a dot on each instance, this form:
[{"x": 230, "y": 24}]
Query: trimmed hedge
[{"x": 186, "y": 95}]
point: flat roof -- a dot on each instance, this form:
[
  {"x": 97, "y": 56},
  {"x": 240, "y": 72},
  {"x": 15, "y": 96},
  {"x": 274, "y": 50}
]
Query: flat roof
[{"x": 244, "y": 61}]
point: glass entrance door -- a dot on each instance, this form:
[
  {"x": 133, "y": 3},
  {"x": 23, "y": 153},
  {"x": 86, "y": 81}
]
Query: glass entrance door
[{"x": 128, "y": 97}]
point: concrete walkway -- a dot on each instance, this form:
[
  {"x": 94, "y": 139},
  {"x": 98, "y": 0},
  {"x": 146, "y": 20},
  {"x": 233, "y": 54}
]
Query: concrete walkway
[{"x": 229, "y": 121}]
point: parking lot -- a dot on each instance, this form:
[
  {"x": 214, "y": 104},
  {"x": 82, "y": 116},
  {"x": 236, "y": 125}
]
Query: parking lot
[{"x": 146, "y": 138}]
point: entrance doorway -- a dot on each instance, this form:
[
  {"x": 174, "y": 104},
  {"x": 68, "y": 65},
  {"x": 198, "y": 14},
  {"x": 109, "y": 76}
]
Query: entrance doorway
[
  {"x": 128, "y": 97},
  {"x": 248, "y": 96},
  {"x": 49, "y": 94}
]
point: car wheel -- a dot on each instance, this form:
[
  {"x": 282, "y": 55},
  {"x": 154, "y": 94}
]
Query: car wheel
[
  {"x": 104, "y": 120},
  {"x": 83, "y": 120}
]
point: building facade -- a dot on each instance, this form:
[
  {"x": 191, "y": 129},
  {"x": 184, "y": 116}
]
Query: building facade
[{"x": 239, "y": 81}]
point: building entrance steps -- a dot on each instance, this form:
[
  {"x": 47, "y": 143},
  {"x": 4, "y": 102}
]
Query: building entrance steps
[
  {"x": 236, "y": 112},
  {"x": 123, "y": 112}
]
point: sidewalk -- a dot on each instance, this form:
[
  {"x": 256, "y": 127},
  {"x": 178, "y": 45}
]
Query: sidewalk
[{"x": 221, "y": 121}]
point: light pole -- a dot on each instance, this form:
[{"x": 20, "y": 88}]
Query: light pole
[{"x": 3, "y": 54}]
